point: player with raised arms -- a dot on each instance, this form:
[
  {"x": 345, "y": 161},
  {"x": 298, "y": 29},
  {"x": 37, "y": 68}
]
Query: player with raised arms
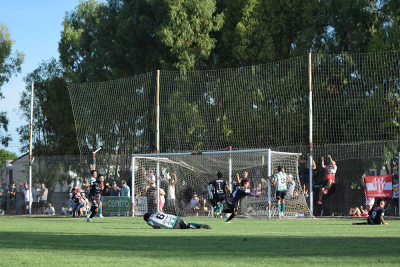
[
  {"x": 160, "y": 220},
  {"x": 240, "y": 191}
]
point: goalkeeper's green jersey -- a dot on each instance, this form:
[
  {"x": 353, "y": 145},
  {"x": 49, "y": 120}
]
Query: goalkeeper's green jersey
[
  {"x": 162, "y": 220},
  {"x": 281, "y": 181}
]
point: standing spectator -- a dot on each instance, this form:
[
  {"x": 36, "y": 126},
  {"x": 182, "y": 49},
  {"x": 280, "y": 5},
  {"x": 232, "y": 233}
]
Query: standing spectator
[
  {"x": 305, "y": 175},
  {"x": 160, "y": 197},
  {"x": 113, "y": 191},
  {"x": 395, "y": 187},
  {"x": 125, "y": 192},
  {"x": 27, "y": 195},
  {"x": 151, "y": 181},
  {"x": 76, "y": 198},
  {"x": 220, "y": 190},
  {"x": 171, "y": 184},
  {"x": 50, "y": 210},
  {"x": 13, "y": 199},
  {"x": 43, "y": 197},
  {"x": 280, "y": 181},
  {"x": 369, "y": 201},
  {"x": 3, "y": 198},
  {"x": 68, "y": 206},
  {"x": 35, "y": 200},
  {"x": 329, "y": 178},
  {"x": 291, "y": 185},
  {"x": 245, "y": 176}
]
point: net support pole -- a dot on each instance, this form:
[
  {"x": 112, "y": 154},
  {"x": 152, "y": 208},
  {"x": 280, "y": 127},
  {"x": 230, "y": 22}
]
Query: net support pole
[
  {"x": 269, "y": 184},
  {"x": 30, "y": 153},
  {"x": 230, "y": 169},
  {"x": 133, "y": 187},
  {"x": 398, "y": 171},
  {"x": 310, "y": 132},
  {"x": 158, "y": 187}
]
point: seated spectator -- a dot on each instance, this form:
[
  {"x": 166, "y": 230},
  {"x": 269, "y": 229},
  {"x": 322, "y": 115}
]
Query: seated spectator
[
  {"x": 113, "y": 190},
  {"x": 49, "y": 210},
  {"x": 357, "y": 212},
  {"x": 161, "y": 197},
  {"x": 67, "y": 208},
  {"x": 389, "y": 210},
  {"x": 202, "y": 205},
  {"x": 193, "y": 206},
  {"x": 291, "y": 185},
  {"x": 84, "y": 205},
  {"x": 77, "y": 190}
]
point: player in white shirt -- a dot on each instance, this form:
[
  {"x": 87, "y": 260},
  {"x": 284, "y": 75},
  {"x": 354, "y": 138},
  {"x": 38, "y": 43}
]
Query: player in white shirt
[{"x": 159, "y": 220}]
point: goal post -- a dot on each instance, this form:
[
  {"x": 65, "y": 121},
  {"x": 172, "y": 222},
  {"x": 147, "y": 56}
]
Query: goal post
[{"x": 180, "y": 180}]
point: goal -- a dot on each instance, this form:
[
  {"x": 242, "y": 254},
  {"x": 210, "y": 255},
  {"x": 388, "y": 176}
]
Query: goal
[{"x": 184, "y": 176}]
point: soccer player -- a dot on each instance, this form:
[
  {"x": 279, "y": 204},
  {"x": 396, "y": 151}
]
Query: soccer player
[
  {"x": 159, "y": 220},
  {"x": 329, "y": 178},
  {"x": 240, "y": 191},
  {"x": 280, "y": 181},
  {"x": 219, "y": 190},
  {"x": 94, "y": 195},
  {"x": 375, "y": 215}
]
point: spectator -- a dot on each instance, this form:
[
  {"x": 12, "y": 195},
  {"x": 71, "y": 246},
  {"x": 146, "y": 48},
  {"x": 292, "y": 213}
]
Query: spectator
[
  {"x": 151, "y": 181},
  {"x": 13, "y": 199},
  {"x": 43, "y": 197},
  {"x": 202, "y": 205},
  {"x": 389, "y": 210},
  {"x": 305, "y": 175},
  {"x": 171, "y": 184},
  {"x": 35, "y": 200},
  {"x": 67, "y": 209},
  {"x": 161, "y": 199},
  {"x": 255, "y": 191},
  {"x": 369, "y": 201},
  {"x": 50, "y": 210},
  {"x": 76, "y": 198},
  {"x": 329, "y": 178},
  {"x": 3, "y": 198},
  {"x": 193, "y": 206},
  {"x": 77, "y": 190},
  {"x": 245, "y": 176},
  {"x": 125, "y": 192},
  {"x": 114, "y": 190},
  {"x": 356, "y": 212},
  {"x": 84, "y": 205},
  {"x": 291, "y": 185},
  {"x": 27, "y": 195}
]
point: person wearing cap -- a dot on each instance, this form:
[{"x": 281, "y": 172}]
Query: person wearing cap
[
  {"x": 43, "y": 198},
  {"x": 113, "y": 191},
  {"x": 35, "y": 200}
]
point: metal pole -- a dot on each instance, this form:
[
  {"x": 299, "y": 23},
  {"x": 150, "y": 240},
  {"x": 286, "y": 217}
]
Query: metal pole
[
  {"x": 158, "y": 186},
  {"x": 133, "y": 187},
  {"x": 30, "y": 153},
  {"x": 158, "y": 111},
  {"x": 310, "y": 132},
  {"x": 398, "y": 171},
  {"x": 269, "y": 183},
  {"x": 230, "y": 169}
]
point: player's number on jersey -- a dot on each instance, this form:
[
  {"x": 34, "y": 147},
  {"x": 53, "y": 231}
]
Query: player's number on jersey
[
  {"x": 160, "y": 216},
  {"x": 373, "y": 214}
]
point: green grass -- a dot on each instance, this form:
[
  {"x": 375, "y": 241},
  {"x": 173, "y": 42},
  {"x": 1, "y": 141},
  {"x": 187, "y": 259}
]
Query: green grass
[{"x": 125, "y": 241}]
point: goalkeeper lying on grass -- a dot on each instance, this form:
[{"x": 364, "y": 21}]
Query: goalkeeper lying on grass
[{"x": 159, "y": 220}]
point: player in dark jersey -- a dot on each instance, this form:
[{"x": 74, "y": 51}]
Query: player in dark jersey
[
  {"x": 233, "y": 199},
  {"x": 375, "y": 215},
  {"x": 219, "y": 190},
  {"x": 94, "y": 195}
]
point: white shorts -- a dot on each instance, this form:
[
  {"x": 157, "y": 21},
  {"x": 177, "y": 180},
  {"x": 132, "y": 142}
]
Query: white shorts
[{"x": 369, "y": 201}]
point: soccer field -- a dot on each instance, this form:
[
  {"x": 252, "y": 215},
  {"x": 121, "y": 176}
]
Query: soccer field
[{"x": 126, "y": 241}]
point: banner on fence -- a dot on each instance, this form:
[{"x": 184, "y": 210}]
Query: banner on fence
[
  {"x": 116, "y": 205},
  {"x": 379, "y": 186}
]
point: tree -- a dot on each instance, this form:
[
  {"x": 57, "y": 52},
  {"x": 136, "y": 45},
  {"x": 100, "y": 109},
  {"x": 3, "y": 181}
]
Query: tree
[
  {"x": 53, "y": 123},
  {"x": 9, "y": 65},
  {"x": 6, "y": 155}
]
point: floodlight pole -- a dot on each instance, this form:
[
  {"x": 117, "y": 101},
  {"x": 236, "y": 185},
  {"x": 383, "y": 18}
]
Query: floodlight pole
[{"x": 30, "y": 153}]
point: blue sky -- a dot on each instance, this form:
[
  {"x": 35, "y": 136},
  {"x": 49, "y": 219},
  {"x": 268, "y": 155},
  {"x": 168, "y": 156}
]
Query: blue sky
[{"x": 35, "y": 27}]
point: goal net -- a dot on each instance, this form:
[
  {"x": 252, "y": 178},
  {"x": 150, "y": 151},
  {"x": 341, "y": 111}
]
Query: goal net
[{"x": 184, "y": 178}]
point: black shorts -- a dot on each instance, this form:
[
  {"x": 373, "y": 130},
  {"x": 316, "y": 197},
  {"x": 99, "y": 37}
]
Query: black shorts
[
  {"x": 180, "y": 224},
  {"x": 35, "y": 205},
  {"x": 305, "y": 177},
  {"x": 42, "y": 203},
  {"x": 280, "y": 195},
  {"x": 218, "y": 199},
  {"x": 94, "y": 201}
]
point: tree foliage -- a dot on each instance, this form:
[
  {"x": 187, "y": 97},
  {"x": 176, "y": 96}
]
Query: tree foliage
[
  {"x": 10, "y": 63},
  {"x": 6, "y": 155}
]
